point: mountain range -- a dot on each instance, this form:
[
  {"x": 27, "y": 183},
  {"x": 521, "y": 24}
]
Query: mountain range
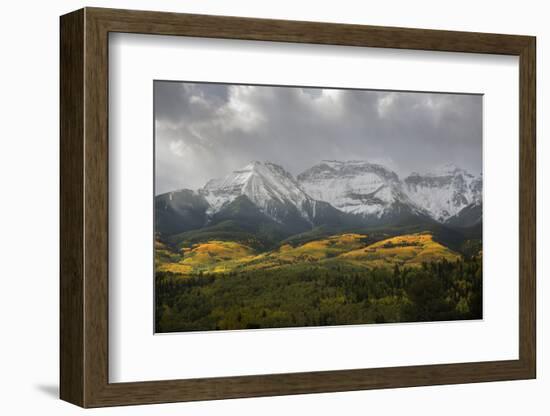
[
  {"x": 343, "y": 242},
  {"x": 331, "y": 193}
]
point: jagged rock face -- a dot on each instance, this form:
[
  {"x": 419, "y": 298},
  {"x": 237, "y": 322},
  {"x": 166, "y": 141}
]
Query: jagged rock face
[
  {"x": 272, "y": 189},
  {"x": 329, "y": 193},
  {"x": 444, "y": 192},
  {"x": 357, "y": 187}
]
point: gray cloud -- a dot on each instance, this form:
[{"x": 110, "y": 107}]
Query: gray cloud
[{"x": 205, "y": 131}]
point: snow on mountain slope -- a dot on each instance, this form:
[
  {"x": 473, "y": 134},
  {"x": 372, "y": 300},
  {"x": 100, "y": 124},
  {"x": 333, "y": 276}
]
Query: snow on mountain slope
[
  {"x": 445, "y": 191},
  {"x": 358, "y": 187},
  {"x": 332, "y": 190},
  {"x": 272, "y": 189}
]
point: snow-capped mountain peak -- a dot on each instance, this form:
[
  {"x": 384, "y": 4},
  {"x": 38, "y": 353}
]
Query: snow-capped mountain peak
[
  {"x": 357, "y": 187},
  {"x": 269, "y": 186},
  {"x": 444, "y": 191},
  {"x": 336, "y": 192}
]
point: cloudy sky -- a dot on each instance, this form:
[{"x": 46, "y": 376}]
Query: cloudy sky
[{"x": 204, "y": 131}]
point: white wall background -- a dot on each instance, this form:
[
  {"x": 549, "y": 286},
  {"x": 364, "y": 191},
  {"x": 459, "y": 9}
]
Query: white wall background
[{"x": 29, "y": 85}]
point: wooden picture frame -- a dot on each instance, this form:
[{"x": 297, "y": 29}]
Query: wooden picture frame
[{"x": 84, "y": 207}]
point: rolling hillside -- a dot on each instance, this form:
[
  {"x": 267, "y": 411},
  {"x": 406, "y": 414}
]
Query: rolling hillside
[
  {"x": 214, "y": 257},
  {"x": 405, "y": 250},
  {"x": 341, "y": 279},
  {"x": 342, "y": 243}
]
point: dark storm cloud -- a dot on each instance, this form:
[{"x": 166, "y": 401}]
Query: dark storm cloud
[{"x": 205, "y": 131}]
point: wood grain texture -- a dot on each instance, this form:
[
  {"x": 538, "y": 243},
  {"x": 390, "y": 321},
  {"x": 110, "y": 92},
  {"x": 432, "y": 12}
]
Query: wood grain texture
[
  {"x": 96, "y": 219},
  {"x": 84, "y": 204},
  {"x": 71, "y": 213},
  {"x": 225, "y": 27},
  {"x": 528, "y": 208}
]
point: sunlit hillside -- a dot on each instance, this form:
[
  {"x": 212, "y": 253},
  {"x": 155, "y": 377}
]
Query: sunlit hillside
[
  {"x": 322, "y": 249},
  {"x": 214, "y": 257},
  {"x": 405, "y": 250},
  {"x": 347, "y": 278}
]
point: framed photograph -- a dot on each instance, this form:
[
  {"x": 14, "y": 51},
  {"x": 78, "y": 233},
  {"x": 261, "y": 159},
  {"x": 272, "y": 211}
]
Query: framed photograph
[{"x": 255, "y": 207}]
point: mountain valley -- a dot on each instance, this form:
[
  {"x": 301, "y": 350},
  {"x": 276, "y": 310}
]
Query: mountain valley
[{"x": 342, "y": 242}]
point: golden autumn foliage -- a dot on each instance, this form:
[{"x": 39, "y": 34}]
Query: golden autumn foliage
[
  {"x": 215, "y": 256},
  {"x": 405, "y": 250},
  {"x": 320, "y": 249},
  {"x": 335, "y": 280},
  {"x": 212, "y": 256}
]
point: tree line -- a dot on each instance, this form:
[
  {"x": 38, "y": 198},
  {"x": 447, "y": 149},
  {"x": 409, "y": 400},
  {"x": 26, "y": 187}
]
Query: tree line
[{"x": 318, "y": 295}]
